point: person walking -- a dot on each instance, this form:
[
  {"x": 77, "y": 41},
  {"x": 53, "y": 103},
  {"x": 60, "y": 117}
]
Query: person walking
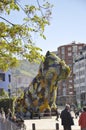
[
  {"x": 3, "y": 119},
  {"x": 76, "y": 113},
  {"x": 3, "y": 114},
  {"x": 31, "y": 113},
  {"x": 82, "y": 119},
  {"x": 66, "y": 118},
  {"x": 9, "y": 114},
  {"x": 57, "y": 114}
]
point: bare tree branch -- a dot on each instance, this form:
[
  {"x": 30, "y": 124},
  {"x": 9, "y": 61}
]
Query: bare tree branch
[{"x": 7, "y": 21}]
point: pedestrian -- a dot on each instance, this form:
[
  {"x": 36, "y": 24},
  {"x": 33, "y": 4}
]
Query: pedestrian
[
  {"x": 31, "y": 113},
  {"x": 77, "y": 113},
  {"x": 3, "y": 114},
  {"x": 9, "y": 115},
  {"x": 3, "y": 119},
  {"x": 66, "y": 118},
  {"x": 38, "y": 113},
  {"x": 57, "y": 114},
  {"x": 82, "y": 119}
]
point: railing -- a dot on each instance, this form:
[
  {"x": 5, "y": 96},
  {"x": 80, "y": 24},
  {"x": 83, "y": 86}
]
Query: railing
[{"x": 41, "y": 115}]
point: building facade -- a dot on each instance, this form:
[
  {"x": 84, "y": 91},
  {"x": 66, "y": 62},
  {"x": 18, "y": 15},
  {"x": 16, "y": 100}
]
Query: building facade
[
  {"x": 5, "y": 80},
  {"x": 66, "y": 90},
  {"x": 80, "y": 77}
]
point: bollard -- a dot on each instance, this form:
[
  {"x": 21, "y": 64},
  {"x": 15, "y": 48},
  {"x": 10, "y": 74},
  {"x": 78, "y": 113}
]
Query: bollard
[
  {"x": 57, "y": 126},
  {"x": 33, "y": 126}
]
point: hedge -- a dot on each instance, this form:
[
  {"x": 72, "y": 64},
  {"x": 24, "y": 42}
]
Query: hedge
[{"x": 7, "y": 103}]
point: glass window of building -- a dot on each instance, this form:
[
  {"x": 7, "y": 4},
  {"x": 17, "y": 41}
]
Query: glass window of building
[
  {"x": 71, "y": 92},
  {"x": 69, "y": 54},
  {"x": 69, "y": 48},
  {"x": 2, "y": 76},
  {"x": 70, "y": 81},
  {"x": 80, "y": 47},
  {"x": 63, "y": 57},
  {"x": 63, "y": 50},
  {"x": 9, "y": 76},
  {"x": 70, "y": 86},
  {"x": 74, "y": 48},
  {"x": 64, "y": 91}
]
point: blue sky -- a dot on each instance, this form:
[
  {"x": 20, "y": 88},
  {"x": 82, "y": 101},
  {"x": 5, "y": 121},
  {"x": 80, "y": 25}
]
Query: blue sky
[{"x": 68, "y": 24}]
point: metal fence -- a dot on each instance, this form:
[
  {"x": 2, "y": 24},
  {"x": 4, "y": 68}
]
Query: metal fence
[{"x": 9, "y": 125}]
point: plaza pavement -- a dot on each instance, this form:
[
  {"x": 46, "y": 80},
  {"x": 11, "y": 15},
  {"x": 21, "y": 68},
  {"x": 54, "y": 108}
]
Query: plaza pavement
[{"x": 48, "y": 124}]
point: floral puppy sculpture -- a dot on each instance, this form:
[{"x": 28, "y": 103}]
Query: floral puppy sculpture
[{"x": 41, "y": 93}]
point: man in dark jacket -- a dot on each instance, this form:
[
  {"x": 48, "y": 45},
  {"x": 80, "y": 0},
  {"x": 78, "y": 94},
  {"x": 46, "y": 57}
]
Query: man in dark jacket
[{"x": 67, "y": 119}]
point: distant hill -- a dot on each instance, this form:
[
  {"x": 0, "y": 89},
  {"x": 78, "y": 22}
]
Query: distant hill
[{"x": 23, "y": 74}]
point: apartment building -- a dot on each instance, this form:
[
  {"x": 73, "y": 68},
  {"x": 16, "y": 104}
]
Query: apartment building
[
  {"x": 5, "y": 80},
  {"x": 80, "y": 77},
  {"x": 66, "y": 91}
]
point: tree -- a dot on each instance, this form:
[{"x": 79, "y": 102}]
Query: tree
[
  {"x": 16, "y": 40},
  {"x": 3, "y": 93}
]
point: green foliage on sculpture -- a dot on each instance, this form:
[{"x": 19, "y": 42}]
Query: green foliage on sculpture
[{"x": 41, "y": 93}]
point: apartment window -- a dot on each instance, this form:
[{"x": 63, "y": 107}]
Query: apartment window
[
  {"x": 80, "y": 47},
  {"x": 74, "y": 48},
  {"x": 69, "y": 48},
  {"x": 9, "y": 76},
  {"x": 63, "y": 57},
  {"x": 2, "y": 77},
  {"x": 70, "y": 81},
  {"x": 70, "y": 92},
  {"x": 69, "y": 54},
  {"x": 64, "y": 91},
  {"x": 70, "y": 86},
  {"x": 63, "y": 50}
]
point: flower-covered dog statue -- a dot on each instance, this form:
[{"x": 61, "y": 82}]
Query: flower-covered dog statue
[{"x": 41, "y": 93}]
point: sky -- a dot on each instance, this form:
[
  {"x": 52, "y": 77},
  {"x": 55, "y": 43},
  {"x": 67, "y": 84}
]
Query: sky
[{"x": 68, "y": 24}]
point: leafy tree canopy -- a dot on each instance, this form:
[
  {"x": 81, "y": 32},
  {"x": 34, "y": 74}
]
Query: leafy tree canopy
[
  {"x": 3, "y": 93},
  {"x": 16, "y": 40}
]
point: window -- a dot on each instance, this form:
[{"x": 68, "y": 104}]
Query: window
[
  {"x": 70, "y": 92},
  {"x": 69, "y": 48},
  {"x": 64, "y": 91},
  {"x": 63, "y": 57},
  {"x": 9, "y": 76},
  {"x": 69, "y": 54},
  {"x": 70, "y": 81},
  {"x": 80, "y": 47},
  {"x": 63, "y": 50},
  {"x": 74, "y": 48},
  {"x": 2, "y": 76}
]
